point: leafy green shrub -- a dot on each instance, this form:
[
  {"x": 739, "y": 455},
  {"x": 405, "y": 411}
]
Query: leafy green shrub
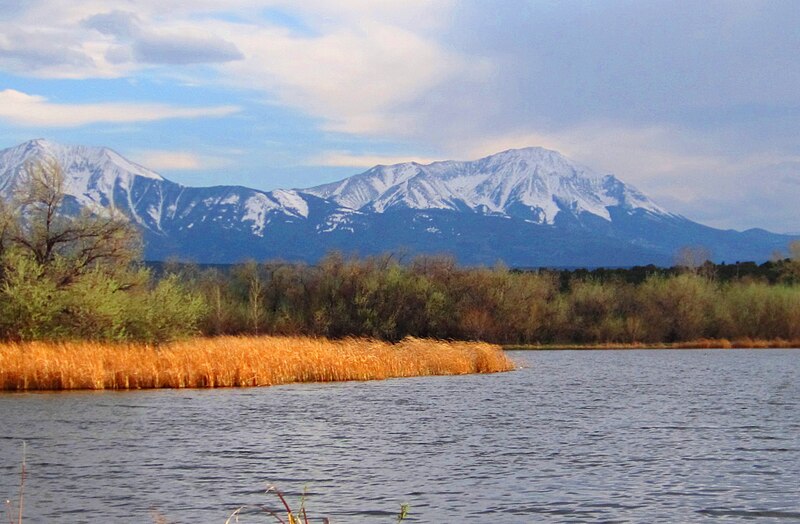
[
  {"x": 30, "y": 302},
  {"x": 166, "y": 312}
]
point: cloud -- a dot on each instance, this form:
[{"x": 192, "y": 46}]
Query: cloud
[
  {"x": 36, "y": 49},
  {"x": 635, "y": 61},
  {"x": 92, "y": 39},
  {"x": 27, "y": 110},
  {"x": 161, "y": 160},
  {"x": 121, "y": 24},
  {"x": 347, "y": 159},
  {"x": 189, "y": 45},
  {"x": 356, "y": 69},
  {"x": 179, "y": 49},
  {"x": 352, "y": 77}
]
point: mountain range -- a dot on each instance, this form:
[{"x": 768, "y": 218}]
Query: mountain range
[{"x": 528, "y": 207}]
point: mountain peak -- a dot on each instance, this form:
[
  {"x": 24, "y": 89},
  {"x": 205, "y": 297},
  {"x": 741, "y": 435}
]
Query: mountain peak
[
  {"x": 527, "y": 151},
  {"x": 535, "y": 153},
  {"x": 37, "y": 142},
  {"x": 37, "y": 146},
  {"x": 71, "y": 158},
  {"x": 92, "y": 175},
  {"x": 532, "y": 183}
]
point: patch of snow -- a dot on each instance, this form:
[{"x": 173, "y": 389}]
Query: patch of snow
[
  {"x": 231, "y": 199},
  {"x": 291, "y": 201},
  {"x": 337, "y": 221},
  {"x": 256, "y": 209},
  {"x": 154, "y": 213}
]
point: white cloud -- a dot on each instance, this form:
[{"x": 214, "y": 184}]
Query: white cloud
[
  {"x": 27, "y": 110},
  {"x": 359, "y": 69},
  {"x": 94, "y": 39},
  {"x": 357, "y": 78},
  {"x": 161, "y": 160}
]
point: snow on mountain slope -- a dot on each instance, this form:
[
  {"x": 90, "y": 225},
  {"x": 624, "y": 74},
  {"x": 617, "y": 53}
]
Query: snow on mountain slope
[
  {"x": 99, "y": 178},
  {"x": 91, "y": 172},
  {"x": 528, "y": 207},
  {"x": 531, "y": 183}
]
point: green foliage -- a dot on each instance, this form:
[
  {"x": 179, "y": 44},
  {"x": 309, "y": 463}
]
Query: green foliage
[
  {"x": 592, "y": 312},
  {"x": 404, "y": 510},
  {"x": 677, "y": 308},
  {"x": 97, "y": 307},
  {"x": 433, "y": 297},
  {"x": 791, "y": 266},
  {"x": 75, "y": 276},
  {"x": 30, "y": 304},
  {"x": 166, "y": 312}
]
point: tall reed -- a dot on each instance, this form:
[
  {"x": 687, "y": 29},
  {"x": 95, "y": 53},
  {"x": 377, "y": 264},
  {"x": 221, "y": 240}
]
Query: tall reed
[{"x": 236, "y": 362}]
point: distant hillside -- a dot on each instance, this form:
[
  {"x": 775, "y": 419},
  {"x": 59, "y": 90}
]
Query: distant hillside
[{"x": 527, "y": 207}]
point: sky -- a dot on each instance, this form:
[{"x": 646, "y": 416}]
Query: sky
[{"x": 695, "y": 103}]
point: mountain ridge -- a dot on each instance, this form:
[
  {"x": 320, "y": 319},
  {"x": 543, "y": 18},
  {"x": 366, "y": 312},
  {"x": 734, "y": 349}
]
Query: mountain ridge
[
  {"x": 526, "y": 207},
  {"x": 501, "y": 183}
]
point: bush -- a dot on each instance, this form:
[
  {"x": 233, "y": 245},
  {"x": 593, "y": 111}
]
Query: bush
[
  {"x": 30, "y": 302},
  {"x": 74, "y": 276}
]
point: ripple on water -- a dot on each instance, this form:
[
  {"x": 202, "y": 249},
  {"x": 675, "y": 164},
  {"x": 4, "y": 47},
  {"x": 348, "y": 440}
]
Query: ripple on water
[{"x": 627, "y": 436}]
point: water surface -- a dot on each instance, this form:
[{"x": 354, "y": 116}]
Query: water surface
[{"x": 574, "y": 436}]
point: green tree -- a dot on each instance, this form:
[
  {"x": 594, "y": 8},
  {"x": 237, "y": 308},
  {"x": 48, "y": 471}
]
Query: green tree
[
  {"x": 76, "y": 275},
  {"x": 66, "y": 245},
  {"x": 29, "y": 301}
]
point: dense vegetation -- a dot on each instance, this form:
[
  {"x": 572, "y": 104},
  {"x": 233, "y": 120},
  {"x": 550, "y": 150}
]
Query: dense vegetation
[
  {"x": 68, "y": 276},
  {"x": 78, "y": 275},
  {"x": 433, "y": 297}
]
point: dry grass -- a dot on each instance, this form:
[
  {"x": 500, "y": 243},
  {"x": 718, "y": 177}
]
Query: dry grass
[{"x": 236, "y": 362}]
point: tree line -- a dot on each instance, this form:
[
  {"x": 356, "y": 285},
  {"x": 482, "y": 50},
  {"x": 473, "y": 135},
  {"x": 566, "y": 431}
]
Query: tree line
[
  {"x": 80, "y": 276},
  {"x": 386, "y": 298}
]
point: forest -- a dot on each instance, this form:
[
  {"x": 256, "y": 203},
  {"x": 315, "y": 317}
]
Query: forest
[
  {"x": 80, "y": 276},
  {"x": 433, "y": 297}
]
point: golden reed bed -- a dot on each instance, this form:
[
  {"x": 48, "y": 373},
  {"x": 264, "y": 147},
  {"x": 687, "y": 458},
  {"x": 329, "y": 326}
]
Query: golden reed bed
[{"x": 235, "y": 362}]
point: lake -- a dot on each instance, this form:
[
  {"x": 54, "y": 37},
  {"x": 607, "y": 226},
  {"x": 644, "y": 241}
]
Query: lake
[{"x": 573, "y": 436}]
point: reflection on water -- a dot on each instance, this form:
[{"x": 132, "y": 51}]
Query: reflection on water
[{"x": 573, "y": 436}]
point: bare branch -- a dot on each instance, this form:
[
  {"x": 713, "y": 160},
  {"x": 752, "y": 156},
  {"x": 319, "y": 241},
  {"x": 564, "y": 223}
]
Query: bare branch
[{"x": 67, "y": 244}]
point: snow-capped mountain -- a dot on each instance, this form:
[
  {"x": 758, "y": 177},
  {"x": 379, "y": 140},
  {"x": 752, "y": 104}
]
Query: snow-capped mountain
[
  {"x": 534, "y": 184},
  {"x": 526, "y": 207},
  {"x": 98, "y": 177}
]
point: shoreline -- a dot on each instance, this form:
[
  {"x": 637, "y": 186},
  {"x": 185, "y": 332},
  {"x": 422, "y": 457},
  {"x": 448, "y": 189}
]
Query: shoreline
[{"x": 721, "y": 343}]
